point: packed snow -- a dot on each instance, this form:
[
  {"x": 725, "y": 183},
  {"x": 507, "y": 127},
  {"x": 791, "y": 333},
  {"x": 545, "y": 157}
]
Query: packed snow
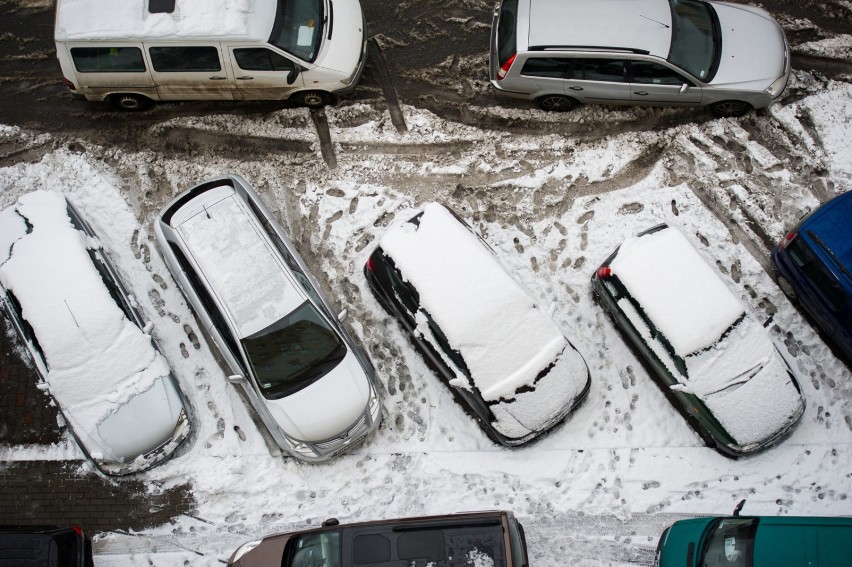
[{"x": 600, "y": 488}]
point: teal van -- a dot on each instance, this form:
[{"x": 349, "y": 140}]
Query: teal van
[{"x": 756, "y": 541}]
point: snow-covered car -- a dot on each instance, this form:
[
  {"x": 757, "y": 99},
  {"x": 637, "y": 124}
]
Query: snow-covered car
[
  {"x": 312, "y": 386},
  {"x": 493, "y": 538},
  {"x": 727, "y": 57},
  {"x": 498, "y": 351},
  {"x": 87, "y": 338},
  {"x": 709, "y": 355}
]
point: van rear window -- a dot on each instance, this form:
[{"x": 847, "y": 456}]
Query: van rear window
[
  {"x": 108, "y": 59},
  {"x": 183, "y": 59}
]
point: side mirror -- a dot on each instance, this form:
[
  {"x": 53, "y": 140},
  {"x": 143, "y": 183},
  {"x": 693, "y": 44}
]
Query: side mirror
[
  {"x": 343, "y": 315},
  {"x": 683, "y": 88},
  {"x": 293, "y": 74},
  {"x": 43, "y": 386},
  {"x": 235, "y": 379},
  {"x": 331, "y": 522},
  {"x": 739, "y": 507},
  {"x": 768, "y": 321}
]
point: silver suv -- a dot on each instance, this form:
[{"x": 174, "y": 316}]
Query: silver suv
[
  {"x": 311, "y": 385},
  {"x": 560, "y": 53}
]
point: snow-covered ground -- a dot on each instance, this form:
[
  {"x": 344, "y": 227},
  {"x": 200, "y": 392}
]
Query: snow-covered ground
[{"x": 600, "y": 488}]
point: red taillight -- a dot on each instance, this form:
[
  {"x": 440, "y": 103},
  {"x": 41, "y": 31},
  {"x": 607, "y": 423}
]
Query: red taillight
[
  {"x": 788, "y": 239},
  {"x": 370, "y": 264},
  {"x": 68, "y": 84},
  {"x": 604, "y": 272},
  {"x": 505, "y": 68},
  {"x": 78, "y": 529}
]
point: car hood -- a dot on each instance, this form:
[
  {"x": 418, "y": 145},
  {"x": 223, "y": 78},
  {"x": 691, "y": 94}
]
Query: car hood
[
  {"x": 342, "y": 52},
  {"x": 553, "y": 395},
  {"x": 327, "y": 407},
  {"x": 753, "y": 48},
  {"x": 143, "y": 423}
]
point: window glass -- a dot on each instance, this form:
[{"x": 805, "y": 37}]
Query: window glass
[
  {"x": 298, "y": 28},
  {"x": 695, "y": 43},
  {"x": 816, "y": 272},
  {"x": 730, "y": 543},
  {"x": 420, "y": 544},
  {"x": 108, "y": 59},
  {"x": 110, "y": 283},
  {"x": 260, "y": 59},
  {"x": 541, "y": 67},
  {"x": 293, "y": 352},
  {"x": 314, "y": 550},
  {"x": 648, "y": 73},
  {"x": 27, "y": 329},
  {"x": 610, "y": 70},
  {"x": 507, "y": 31},
  {"x": 372, "y": 548},
  {"x": 185, "y": 58}
]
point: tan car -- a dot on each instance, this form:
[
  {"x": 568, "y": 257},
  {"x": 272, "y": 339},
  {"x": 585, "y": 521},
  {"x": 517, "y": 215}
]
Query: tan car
[{"x": 496, "y": 538}]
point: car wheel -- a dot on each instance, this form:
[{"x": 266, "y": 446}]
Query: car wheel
[
  {"x": 786, "y": 287},
  {"x": 313, "y": 99},
  {"x": 730, "y": 108},
  {"x": 557, "y": 103},
  {"x": 130, "y": 101}
]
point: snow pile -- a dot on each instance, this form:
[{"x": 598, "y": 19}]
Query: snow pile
[
  {"x": 128, "y": 19},
  {"x": 679, "y": 292},
  {"x": 97, "y": 359},
  {"x": 504, "y": 338}
]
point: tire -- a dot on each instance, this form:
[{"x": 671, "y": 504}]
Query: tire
[
  {"x": 730, "y": 108},
  {"x": 557, "y": 103},
  {"x": 313, "y": 99},
  {"x": 786, "y": 287},
  {"x": 130, "y": 101}
]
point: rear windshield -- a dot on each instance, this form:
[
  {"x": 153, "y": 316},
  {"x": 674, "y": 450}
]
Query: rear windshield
[
  {"x": 298, "y": 28},
  {"x": 507, "y": 26},
  {"x": 696, "y": 39}
]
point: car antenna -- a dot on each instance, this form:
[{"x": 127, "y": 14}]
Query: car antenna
[
  {"x": 206, "y": 212},
  {"x": 655, "y": 21},
  {"x": 72, "y": 313}
]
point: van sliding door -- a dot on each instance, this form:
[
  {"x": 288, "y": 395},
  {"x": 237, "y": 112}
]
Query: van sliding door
[{"x": 189, "y": 72}]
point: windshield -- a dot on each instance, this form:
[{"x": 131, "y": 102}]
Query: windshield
[
  {"x": 313, "y": 550},
  {"x": 696, "y": 42},
  {"x": 730, "y": 543},
  {"x": 298, "y": 28},
  {"x": 294, "y": 352}
]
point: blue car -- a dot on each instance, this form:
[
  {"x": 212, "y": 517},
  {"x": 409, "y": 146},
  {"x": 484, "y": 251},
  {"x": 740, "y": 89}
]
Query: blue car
[{"x": 812, "y": 267}]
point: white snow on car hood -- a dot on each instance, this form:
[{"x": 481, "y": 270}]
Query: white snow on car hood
[
  {"x": 753, "y": 48},
  {"x": 97, "y": 359},
  {"x": 504, "y": 338},
  {"x": 676, "y": 288}
]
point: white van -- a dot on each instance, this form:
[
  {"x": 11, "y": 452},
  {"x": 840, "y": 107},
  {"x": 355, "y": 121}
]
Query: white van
[{"x": 133, "y": 52}]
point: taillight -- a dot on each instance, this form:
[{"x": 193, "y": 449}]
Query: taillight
[
  {"x": 604, "y": 272},
  {"x": 68, "y": 84},
  {"x": 505, "y": 68},
  {"x": 788, "y": 239},
  {"x": 77, "y": 529},
  {"x": 370, "y": 263}
]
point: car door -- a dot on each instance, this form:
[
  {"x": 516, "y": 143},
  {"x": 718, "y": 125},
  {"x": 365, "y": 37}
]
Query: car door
[
  {"x": 541, "y": 75},
  {"x": 261, "y": 73},
  {"x": 655, "y": 84},
  {"x": 601, "y": 80},
  {"x": 189, "y": 72}
]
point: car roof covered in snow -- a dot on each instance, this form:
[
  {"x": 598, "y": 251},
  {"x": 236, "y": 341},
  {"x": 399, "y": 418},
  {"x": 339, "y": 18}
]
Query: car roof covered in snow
[
  {"x": 131, "y": 19},
  {"x": 625, "y": 24},
  {"x": 505, "y": 339},
  {"x": 678, "y": 291},
  {"x": 237, "y": 259}
]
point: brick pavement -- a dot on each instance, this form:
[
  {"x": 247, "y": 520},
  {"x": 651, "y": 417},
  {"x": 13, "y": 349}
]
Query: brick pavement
[{"x": 58, "y": 492}]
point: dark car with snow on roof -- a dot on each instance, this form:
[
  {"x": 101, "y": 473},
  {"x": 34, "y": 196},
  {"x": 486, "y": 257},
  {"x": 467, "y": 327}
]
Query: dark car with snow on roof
[
  {"x": 309, "y": 382},
  {"x": 45, "y": 546},
  {"x": 813, "y": 267},
  {"x": 707, "y": 353},
  {"x": 496, "y": 349},
  {"x": 87, "y": 338},
  {"x": 493, "y": 538}
]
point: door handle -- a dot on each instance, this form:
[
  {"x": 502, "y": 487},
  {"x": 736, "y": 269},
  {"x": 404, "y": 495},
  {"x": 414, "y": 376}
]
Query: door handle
[
  {"x": 245, "y": 78},
  {"x": 218, "y": 78},
  {"x": 641, "y": 93},
  {"x": 576, "y": 88}
]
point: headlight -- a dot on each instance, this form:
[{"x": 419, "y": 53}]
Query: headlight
[
  {"x": 245, "y": 548},
  {"x": 777, "y": 87}
]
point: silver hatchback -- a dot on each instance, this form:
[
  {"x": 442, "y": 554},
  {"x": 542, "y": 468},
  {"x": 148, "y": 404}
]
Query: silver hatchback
[{"x": 728, "y": 57}]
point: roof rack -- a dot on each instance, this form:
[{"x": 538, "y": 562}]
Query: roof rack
[{"x": 607, "y": 48}]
